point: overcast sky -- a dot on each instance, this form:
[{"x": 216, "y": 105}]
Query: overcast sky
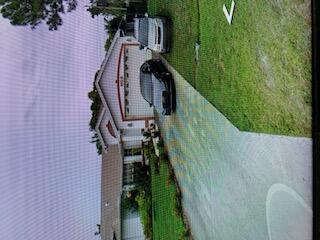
[{"x": 49, "y": 172}]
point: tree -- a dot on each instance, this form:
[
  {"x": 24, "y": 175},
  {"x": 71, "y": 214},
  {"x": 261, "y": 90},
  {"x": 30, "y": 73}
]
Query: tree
[
  {"x": 32, "y": 12},
  {"x": 95, "y": 108},
  {"x": 111, "y": 26},
  {"x": 107, "y": 7}
]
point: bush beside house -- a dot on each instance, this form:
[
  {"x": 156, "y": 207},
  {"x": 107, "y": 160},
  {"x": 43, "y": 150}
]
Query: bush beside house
[
  {"x": 95, "y": 109},
  {"x": 139, "y": 199},
  {"x": 167, "y": 213}
]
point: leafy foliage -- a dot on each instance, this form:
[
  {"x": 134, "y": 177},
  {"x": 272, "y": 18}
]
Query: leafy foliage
[
  {"x": 32, "y": 12},
  {"x": 145, "y": 211},
  {"x": 95, "y": 108},
  {"x": 96, "y": 140},
  {"x": 177, "y": 203},
  {"x": 140, "y": 199},
  {"x": 170, "y": 179},
  {"x": 107, "y": 7},
  {"x": 111, "y": 26},
  {"x": 95, "y": 105},
  {"x": 186, "y": 234},
  {"x": 128, "y": 201}
]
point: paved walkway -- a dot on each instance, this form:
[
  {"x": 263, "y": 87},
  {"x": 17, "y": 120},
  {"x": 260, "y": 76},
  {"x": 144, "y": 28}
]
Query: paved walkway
[{"x": 237, "y": 185}]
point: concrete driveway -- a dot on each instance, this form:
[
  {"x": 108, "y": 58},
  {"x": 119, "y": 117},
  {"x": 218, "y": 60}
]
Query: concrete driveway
[{"x": 237, "y": 185}]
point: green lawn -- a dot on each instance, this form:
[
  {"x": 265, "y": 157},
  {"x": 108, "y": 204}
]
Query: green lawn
[
  {"x": 165, "y": 224},
  {"x": 257, "y": 71},
  {"x": 184, "y": 17}
]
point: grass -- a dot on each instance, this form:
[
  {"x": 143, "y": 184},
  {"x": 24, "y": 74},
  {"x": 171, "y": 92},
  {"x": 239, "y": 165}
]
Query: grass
[
  {"x": 184, "y": 18},
  {"x": 257, "y": 71},
  {"x": 166, "y": 224}
]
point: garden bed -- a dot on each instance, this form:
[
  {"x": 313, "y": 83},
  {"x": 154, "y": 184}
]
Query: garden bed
[
  {"x": 167, "y": 212},
  {"x": 157, "y": 196}
]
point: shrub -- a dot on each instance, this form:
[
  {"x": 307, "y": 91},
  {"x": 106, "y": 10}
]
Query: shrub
[
  {"x": 142, "y": 196},
  {"x": 170, "y": 178},
  {"x": 142, "y": 178},
  {"x": 95, "y": 105},
  {"x": 165, "y": 158},
  {"x": 185, "y": 234},
  {"x": 157, "y": 165},
  {"x": 108, "y": 44},
  {"x": 178, "y": 194},
  {"x": 161, "y": 150},
  {"x": 177, "y": 203},
  {"x": 149, "y": 150},
  {"x": 157, "y": 168},
  {"x": 155, "y": 134},
  {"x": 128, "y": 202},
  {"x": 177, "y": 208},
  {"x": 145, "y": 212},
  {"x": 151, "y": 155},
  {"x": 161, "y": 143},
  {"x": 147, "y": 135}
]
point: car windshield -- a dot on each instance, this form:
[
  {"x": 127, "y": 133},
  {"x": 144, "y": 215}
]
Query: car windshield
[
  {"x": 143, "y": 31},
  {"x": 158, "y": 88},
  {"x": 146, "y": 87}
]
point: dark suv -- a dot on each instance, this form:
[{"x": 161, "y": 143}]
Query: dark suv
[{"x": 157, "y": 87}]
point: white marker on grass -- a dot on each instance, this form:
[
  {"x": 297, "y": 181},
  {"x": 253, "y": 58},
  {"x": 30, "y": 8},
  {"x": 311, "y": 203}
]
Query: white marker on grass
[{"x": 228, "y": 15}]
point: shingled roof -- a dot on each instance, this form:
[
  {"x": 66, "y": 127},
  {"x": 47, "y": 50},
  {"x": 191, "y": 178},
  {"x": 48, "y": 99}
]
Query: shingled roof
[
  {"x": 111, "y": 187},
  {"x": 103, "y": 99}
]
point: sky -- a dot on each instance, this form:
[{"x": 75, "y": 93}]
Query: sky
[{"x": 49, "y": 170}]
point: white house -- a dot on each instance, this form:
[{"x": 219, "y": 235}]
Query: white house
[
  {"x": 125, "y": 113},
  {"x": 123, "y": 118}
]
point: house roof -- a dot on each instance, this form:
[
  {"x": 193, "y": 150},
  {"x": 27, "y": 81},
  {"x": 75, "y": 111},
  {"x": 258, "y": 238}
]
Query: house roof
[
  {"x": 104, "y": 102},
  {"x": 103, "y": 66},
  {"x": 111, "y": 188}
]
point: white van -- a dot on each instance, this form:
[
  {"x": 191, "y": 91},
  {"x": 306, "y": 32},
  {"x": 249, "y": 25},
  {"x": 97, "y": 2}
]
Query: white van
[{"x": 152, "y": 33}]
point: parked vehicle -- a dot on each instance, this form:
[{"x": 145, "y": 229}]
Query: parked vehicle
[
  {"x": 157, "y": 86},
  {"x": 153, "y": 33}
]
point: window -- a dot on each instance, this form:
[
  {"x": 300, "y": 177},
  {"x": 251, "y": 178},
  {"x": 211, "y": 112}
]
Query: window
[
  {"x": 131, "y": 173},
  {"x": 159, "y": 35},
  {"x": 128, "y": 174}
]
